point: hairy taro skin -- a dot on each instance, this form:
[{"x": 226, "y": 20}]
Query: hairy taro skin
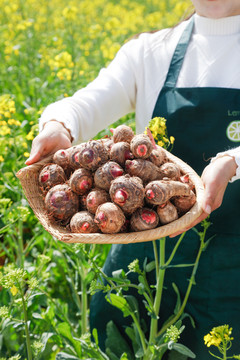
[
  {"x": 160, "y": 191},
  {"x": 73, "y": 156},
  {"x": 120, "y": 152},
  {"x": 127, "y": 192},
  {"x": 83, "y": 222},
  {"x": 122, "y": 133},
  {"x": 167, "y": 213},
  {"x": 81, "y": 181},
  {"x": 143, "y": 169},
  {"x": 107, "y": 143},
  {"x": 106, "y": 173},
  {"x": 141, "y": 146},
  {"x": 109, "y": 218},
  {"x": 92, "y": 154},
  {"x": 184, "y": 203},
  {"x": 61, "y": 157},
  {"x": 95, "y": 198},
  {"x": 158, "y": 156},
  {"x": 51, "y": 175},
  {"x": 61, "y": 202},
  {"x": 144, "y": 219},
  {"x": 170, "y": 170}
]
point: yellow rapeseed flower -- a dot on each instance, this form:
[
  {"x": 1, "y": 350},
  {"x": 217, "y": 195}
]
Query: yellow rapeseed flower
[
  {"x": 1, "y": 158},
  {"x": 14, "y": 290},
  {"x": 70, "y": 12},
  {"x": 220, "y": 335},
  {"x": 64, "y": 74},
  {"x": 14, "y": 122},
  {"x": 26, "y": 154},
  {"x": 5, "y": 130},
  {"x": 30, "y": 135}
]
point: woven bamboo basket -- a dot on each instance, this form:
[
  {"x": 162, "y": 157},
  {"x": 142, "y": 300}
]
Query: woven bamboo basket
[{"x": 28, "y": 177}]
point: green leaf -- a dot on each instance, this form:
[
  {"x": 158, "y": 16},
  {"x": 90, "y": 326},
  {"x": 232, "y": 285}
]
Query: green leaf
[
  {"x": 119, "y": 274},
  {"x": 150, "y": 266},
  {"x": 95, "y": 336},
  {"x": 64, "y": 329},
  {"x": 65, "y": 356},
  {"x": 44, "y": 339},
  {"x": 116, "y": 345},
  {"x": 182, "y": 349},
  {"x": 120, "y": 302},
  {"x": 133, "y": 304},
  {"x": 178, "y": 302}
]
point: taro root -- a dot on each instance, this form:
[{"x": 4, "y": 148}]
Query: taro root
[
  {"x": 73, "y": 156},
  {"x": 120, "y": 152},
  {"x": 107, "y": 142},
  {"x": 144, "y": 169},
  {"x": 158, "y": 156},
  {"x": 109, "y": 218},
  {"x": 61, "y": 157},
  {"x": 160, "y": 191},
  {"x": 106, "y": 173},
  {"x": 92, "y": 154},
  {"x": 167, "y": 213},
  {"x": 141, "y": 146},
  {"x": 171, "y": 171},
  {"x": 83, "y": 222},
  {"x": 95, "y": 198},
  {"x": 184, "y": 203},
  {"x": 81, "y": 181},
  {"x": 186, "y": 180},
  {"x": 61, "y": 202},
  {"x": 50, "y": 175},
  {"x": 127, "y": 192},
  {"x": 144, "y": 219},
  {"x": 122, "y": 133}
]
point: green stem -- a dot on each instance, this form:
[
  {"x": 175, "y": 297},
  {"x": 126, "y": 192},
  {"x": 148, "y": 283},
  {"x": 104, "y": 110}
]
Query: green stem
[
  {"x": 28, "y": 343},
  {"x": 141, "y": 334},
  {"x": 175, "y": 249},
  {"x": 156, "y": 258},
  {"x": 191, "y": 283},
  {"x": 84, "y": 307},
  {"x": 20, "y": 252},
  {"x": 159, "y": 290},
  {"x": 84, "y": 300}
]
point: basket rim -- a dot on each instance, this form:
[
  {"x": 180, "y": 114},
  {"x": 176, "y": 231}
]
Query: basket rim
[{"x": 66, "y": 236}]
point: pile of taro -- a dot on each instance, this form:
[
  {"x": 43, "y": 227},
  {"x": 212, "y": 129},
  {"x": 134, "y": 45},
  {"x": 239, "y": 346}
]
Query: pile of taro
[{"x": 118, "y": 184}]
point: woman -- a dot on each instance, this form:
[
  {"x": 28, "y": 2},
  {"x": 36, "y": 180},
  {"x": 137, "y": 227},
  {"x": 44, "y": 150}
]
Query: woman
[{"x": 189, "y": 75}]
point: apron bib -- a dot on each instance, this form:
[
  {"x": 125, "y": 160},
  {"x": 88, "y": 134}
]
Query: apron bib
[{"x": 199, "y": 119}]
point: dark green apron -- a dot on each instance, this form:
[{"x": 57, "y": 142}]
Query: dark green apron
[{"x": 198, "y": 118}]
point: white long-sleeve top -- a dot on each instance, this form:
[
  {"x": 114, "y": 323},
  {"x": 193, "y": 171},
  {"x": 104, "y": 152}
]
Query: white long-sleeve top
[{"x": 135, "y": 77}]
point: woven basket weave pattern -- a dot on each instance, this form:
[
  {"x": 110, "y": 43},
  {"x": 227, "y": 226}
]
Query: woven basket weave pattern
[{"x": 28, "y": 177}]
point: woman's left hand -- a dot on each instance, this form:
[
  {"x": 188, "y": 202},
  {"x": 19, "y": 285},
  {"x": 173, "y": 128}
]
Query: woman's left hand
[{"x": 215, "y": 179}]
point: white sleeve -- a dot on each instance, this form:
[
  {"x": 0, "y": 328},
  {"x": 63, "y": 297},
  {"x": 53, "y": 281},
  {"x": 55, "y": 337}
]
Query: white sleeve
[
  {"x": 235, "y": 153},
  {"x": 109, "y": 97}
]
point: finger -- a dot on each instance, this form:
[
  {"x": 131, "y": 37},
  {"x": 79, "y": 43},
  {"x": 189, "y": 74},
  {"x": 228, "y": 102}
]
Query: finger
[{"x": 36, "y": 156}]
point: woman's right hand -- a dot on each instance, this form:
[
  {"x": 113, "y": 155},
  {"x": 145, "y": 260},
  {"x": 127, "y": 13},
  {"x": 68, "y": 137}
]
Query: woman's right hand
[{"x": 53, "y": 137}]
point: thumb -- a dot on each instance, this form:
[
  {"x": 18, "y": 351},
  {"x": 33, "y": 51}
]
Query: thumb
[
  {"x": 34, "y": 157},
  {"x": 207, "y": 208},
  {"x": 208, "y": 202}
]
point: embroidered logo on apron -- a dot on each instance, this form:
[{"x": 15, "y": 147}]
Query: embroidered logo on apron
[{"x": 233, "y": 131}]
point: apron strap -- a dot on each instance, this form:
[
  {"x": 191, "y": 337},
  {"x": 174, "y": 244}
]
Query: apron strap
[{"x": 178, "y": 56}]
